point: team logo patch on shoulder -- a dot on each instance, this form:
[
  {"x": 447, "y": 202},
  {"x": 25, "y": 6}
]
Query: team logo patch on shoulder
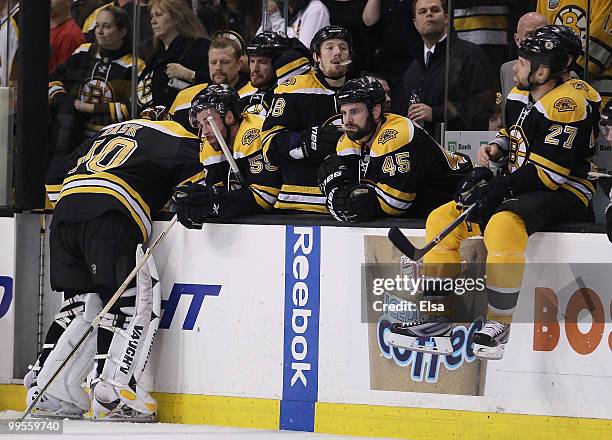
[
  {"x": 579, "y": 85},
  {"x": 387, "y": 135},
  {"x": 249, "y": 136},
  {"x": 552, "y": 4},
  {"x": 291, "y": 81},
  {"x": 565, "y": 105}
]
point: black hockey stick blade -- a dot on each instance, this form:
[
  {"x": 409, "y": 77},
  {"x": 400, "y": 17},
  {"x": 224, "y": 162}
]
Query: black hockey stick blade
[{"x": 401, "y": 242}]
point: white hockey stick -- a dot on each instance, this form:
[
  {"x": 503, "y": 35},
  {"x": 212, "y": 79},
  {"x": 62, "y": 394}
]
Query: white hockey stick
[
  {"x": 226, "y": 151},
  {"x": 105, "y": 310}
]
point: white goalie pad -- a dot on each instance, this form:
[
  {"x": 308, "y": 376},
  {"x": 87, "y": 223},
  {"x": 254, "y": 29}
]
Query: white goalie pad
[
  {"x": 130, "y": 348},
  {"x": 67, "y": 385}
]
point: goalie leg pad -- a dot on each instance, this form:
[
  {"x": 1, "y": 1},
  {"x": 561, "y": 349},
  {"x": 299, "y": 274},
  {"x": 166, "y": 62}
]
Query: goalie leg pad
[{"x": 130, "y": 348}]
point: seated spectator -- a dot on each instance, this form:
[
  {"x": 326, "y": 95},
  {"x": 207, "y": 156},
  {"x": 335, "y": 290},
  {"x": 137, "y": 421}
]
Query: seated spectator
[
  {"x": 239, "y": 16},
  {"x": 385, "y": 165},
  {"x": 526, "y": 26},
  {"x": 270, "y": 55},
  {"x": 393, "y": 54},
  {"x": 65, "y": 35},
  {"x": 145, "y": 33},
  {"x": 470, "y": 89},
  {"x": 301, "y": 129},
  {"x": 224, "y": 62},
  {"x": 181, "y": 55},
  {"x": 347, "y": 13},
  {"x": 93, "y": 88},
  {"x": 260, "y": 181},
  {"x": 306, "y": 17}
]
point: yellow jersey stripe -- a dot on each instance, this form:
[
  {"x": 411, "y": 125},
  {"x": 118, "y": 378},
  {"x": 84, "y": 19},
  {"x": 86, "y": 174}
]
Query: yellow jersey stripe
[{"x": 546, "y": 163}]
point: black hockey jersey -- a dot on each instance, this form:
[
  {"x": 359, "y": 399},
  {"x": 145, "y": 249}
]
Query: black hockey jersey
[
  {"x": 179, "y": 110},
  {"x": 97, "y": 76},
  {"x": 550, "y": 138},
  {"x": 301, "y": 102},
  {"x": 130, "y": 167},
  {"x": 411, "y": 173},
  {"x": 262, "y": 181}
]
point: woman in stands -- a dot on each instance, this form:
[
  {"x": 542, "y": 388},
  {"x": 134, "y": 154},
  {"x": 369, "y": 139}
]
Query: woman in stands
[
  {"x": 93, "y": 88},
  {"x": 180, "y": 58}
]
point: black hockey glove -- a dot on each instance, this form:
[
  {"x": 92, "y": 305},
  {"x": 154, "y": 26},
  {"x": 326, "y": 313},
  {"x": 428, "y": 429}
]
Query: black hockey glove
[
  {"x": 353, "y": 204},
  {"x": 488, "y": 196},
  {"x": 477, "y": 176},
  {"x": 193, "y": 203},
  {"x": 319, "y": 142},
  {"x": 333, "y": 173}
]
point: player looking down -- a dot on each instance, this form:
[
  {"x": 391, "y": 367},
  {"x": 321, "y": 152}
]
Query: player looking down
[
  {"x": 385, "y": 165},
  {"x": 241, "y": 132}
]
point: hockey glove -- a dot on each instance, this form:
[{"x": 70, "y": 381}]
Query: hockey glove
[
  {"x": 353, "y": 204},
  {"x": 488, "y": 196},
  {"x": 193, "y": 203},
  {"x": 319, "y": 142},
  {"x": 478, "y": 176},
  {"x": 333, "y": 173}
]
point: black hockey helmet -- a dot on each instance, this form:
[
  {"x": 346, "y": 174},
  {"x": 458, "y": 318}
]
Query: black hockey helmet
[
  {"x": 221, "y": 97},
  {"x": 268, "y": 44},
  {"x": 366, "y": 89},
  {"x": 570, "y": 39},
  {"x": 327, "y": 33},
  {"x": 547, "y": 50}
]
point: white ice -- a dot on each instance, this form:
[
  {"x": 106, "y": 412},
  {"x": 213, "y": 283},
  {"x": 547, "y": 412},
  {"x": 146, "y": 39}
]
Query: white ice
[{"x": 84, "y": 429}]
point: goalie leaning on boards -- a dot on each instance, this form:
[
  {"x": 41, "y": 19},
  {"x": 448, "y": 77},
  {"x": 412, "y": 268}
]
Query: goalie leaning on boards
[
  {"x": 548, "y": 137},
  {"x": 104, "y": 194}
]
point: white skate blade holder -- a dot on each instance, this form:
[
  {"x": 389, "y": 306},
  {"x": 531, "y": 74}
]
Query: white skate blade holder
[
  {"x": 434, "y": 344},
  {"x": 486, "y": 352}
]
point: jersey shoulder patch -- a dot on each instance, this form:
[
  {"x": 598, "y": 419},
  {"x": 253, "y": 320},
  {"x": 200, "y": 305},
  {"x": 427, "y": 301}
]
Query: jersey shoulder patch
[
  {"x": 589, "y": 92},
  {"x": 248, "y": 137},
  {"x": 563, "y": 104},
  {"x": 396, "y": 132},
  {"x": 307, "y": 83},
  {"x": 185, "y": 96}
]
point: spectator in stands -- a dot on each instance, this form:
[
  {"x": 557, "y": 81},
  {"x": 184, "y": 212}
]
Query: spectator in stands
[
  {"x": 347, "y": 13},
  {"x": 301, "y": 128},
  {"x": 82, "y": 9},
  {"x": 242, "y": 17},
  {"x": 526, "y": 26},
  {"x": 306, "y": 17},
  {"x": 394, "y": 54},
  {"x": 470, "y": 89},
  {"x": 145, "y": 33},
  {"x": 65, "y": 35},
  {"x": 181, "y": 55},
  {"x": 93, "y": 88},
  {"x": 9, "y": 41}
]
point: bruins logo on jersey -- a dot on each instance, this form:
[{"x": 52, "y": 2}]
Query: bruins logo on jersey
[
  {"x": 573, "y": 17},
  {"x": 579, "y": 85},
  {"x": 565, "y": 105},
  {"x": 291, "y": 81},
  {"x": 249, "y": 136},
  {"x": 387, "y": 135},
  {"x": 279, "y": 107}
]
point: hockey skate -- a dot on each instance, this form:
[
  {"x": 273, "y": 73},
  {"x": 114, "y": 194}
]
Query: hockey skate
[
  {"x": 50, "y": 407},
  {"x": 490, "y": 341},
  {"x": 109, "y": 404},
  {"x": 427, "y": 334}
]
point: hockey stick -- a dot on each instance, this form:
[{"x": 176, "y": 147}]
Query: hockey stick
[
  {"x": 105, "y": 310},
  {"x": 228, "y": 154},
  {"x": 401, "y": 242}
]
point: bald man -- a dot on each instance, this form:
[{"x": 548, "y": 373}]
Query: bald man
[{"x": 526, "y": 26}]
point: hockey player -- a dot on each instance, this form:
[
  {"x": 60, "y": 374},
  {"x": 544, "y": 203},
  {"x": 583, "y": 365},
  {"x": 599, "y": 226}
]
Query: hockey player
[
  {"x": 273, "y": 58},
  {"x": 301, "y": 128},
  {"x": 241, "y": 132},
  {"x": 549, "y": 126},
  {"x": 385, "y": 165},
  {"x": 104, "y": 195}
]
